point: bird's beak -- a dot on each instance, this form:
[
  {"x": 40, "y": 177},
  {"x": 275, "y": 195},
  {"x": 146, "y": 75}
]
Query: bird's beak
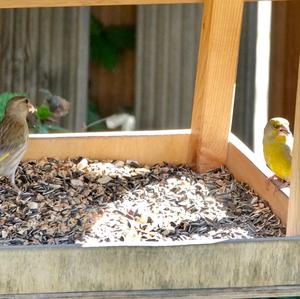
[
  {"x": 31, "y": 108},
  {"x": 284, "y": 130}
]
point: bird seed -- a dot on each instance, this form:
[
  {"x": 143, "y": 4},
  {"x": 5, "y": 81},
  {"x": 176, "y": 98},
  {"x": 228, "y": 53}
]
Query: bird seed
[{"x": 88, "y": 202}]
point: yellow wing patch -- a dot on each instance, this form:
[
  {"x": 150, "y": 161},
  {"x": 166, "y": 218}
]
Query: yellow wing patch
[{"x": 4, "y": 156}]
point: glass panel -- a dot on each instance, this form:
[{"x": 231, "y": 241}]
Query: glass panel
[{"x": 102, "y": 68}]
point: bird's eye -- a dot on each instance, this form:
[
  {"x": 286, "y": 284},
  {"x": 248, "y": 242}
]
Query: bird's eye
[
  {"x": 276, "y": 126},
  {"x": 26, "y": 101}
]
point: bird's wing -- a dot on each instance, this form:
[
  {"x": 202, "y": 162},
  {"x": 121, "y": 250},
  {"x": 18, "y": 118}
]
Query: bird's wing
[
  {"x": 4, "y": 156},
  {"x": 6, "y": 150},
  {"x": 11, "y": 139},
  {"x": 10, "y": 144},
  {"x": 288, "y": 152}
]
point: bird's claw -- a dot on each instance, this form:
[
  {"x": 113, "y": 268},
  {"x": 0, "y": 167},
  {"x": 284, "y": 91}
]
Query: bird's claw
[{"x": 278, "y": 182}]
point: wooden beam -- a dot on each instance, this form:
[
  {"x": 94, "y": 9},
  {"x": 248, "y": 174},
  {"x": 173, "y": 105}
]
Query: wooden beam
[
  {"x": 66, "y": 3},
  {"x": 293, "y": 223},
  {"x": 215, "y": 81},
  {"x": 146, "y": 147},
  {"x": 152, "y": 266},
  {"x": 246, "y": 167},
  {"x": 199, "y": 293}
]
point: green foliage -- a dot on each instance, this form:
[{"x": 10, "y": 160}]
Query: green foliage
[
  {"x": 107, "y": 43},
  {"x": 5, "y": 97},
  {"x": 41, "y": 122},
  {"x": 44, "y": 123},
  {"x": 43, "y": 112}
]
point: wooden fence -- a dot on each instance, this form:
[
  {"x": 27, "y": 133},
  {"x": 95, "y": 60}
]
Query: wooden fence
[
  {"x": 167, "y": 45},
  {"x": 285, "y": 49},
  {"x": 46, "y": 48}
]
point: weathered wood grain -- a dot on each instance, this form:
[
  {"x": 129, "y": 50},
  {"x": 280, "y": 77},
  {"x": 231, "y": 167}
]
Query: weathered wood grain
[
  {"x": 154, "y": 266},
  {"x": 215, "y": 81},
  {"x": 255, "y": 292},
  {"x": 293, "y": 223}
]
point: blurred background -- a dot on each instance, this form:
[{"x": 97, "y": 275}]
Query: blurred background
[{"x": 133, "y": 67}]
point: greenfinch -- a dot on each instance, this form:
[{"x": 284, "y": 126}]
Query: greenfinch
[
  {"x": 277, "y": 146},
  {"x": 14, "y": 136}
]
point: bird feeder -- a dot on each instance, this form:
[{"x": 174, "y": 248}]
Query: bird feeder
[{"x": 238, "y": 268}]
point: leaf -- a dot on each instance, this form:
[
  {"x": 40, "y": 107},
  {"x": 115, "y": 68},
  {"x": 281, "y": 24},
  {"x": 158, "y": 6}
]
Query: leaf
[
  {"x": 43, "y": 112},
  {"x": 104, "y": 53},
  {"x": 96, "y": 27},
  {"x": 109, "y": 56},
  {"x": 122, "y": 37},
  {"x": 108, "y": 43}
]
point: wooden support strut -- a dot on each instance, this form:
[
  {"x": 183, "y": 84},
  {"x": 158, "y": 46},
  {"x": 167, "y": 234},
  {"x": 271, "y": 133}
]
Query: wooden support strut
[
  {"x": 293, "y": 222},
  {"x": 215, "y": 82}
]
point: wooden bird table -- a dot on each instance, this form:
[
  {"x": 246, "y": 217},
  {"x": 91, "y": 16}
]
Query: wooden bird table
[{"x": 234, "y": 269}]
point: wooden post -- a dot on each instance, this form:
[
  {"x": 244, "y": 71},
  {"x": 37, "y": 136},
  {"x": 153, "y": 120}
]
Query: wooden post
[
  {"x": 215, "y": 82},
  {"x": 293, "y": 223}
]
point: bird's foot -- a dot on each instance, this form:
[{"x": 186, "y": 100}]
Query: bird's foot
[{"x": 278, "y": 182}]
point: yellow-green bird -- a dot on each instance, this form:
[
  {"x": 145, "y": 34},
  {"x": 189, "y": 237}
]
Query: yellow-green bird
[
  {"x": 278, "y": 145},
  {"x": 14, "y": 136}
]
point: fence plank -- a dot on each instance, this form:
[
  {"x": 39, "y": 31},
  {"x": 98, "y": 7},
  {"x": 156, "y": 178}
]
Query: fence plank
[
  {"x": 6, "y": 42},
  {"x": 32, "y": 35}
]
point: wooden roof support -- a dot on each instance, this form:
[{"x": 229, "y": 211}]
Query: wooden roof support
[
  {"x": 293, "y": 223},
  {"x": 215, "y": 82}
]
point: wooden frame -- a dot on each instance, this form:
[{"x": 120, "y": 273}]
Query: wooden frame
[
  {"x": 194, "y": 270},
  {"x": 65, "y": 3},
  {"x": 154, "y": 147},
  {"x": 178, "y": 269}
]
